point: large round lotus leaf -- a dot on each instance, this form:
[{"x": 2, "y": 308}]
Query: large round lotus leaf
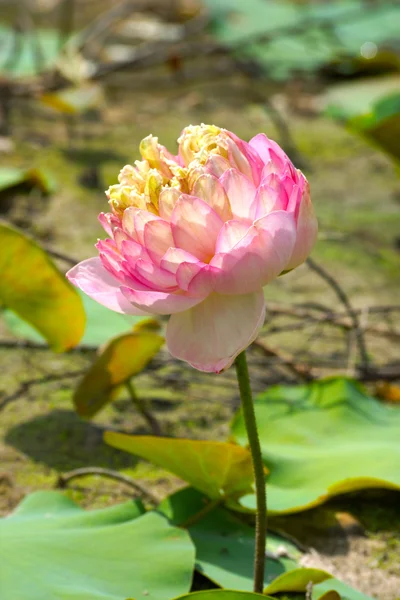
[
  {"x": 325, "y": 438},
  {"x": 224, "y": 544},
  {"x": 224, "y": 595},
  {"x": 52, "y": 548}
]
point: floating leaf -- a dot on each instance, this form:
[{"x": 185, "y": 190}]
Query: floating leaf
[
  {"x": 223, "y": 595},
  {"x": 102, "y": 323},
  {"x": 52, "y": 548},
  {"x": 321, "y": 439},
  {"x": 351, "y": 99},
  {"x": 371, "y": 109},
  {"x": 13, "y": 176},
  {"x": 122, "y": 358},
  {"x": 28, "y": 53},
  {"x": 224, "y": 544},
  {"x": 215, "y": 468},
  {"x": 283, "y": 38},
  {"x": 296, "y": 581},
  {"x": 32, "y": 286},
  {"x": 342, "y": 590}
]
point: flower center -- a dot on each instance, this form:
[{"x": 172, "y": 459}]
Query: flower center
[{"x": 140, "y": 185}]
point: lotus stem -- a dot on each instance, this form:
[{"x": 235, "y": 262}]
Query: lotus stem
[{"x": 258, "y": 467}]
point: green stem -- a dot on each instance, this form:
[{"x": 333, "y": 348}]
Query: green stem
[
  {"x": 140, "y": 406},
  {"x": 258, "y": 467}
]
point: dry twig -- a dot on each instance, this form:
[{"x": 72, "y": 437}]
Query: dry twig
[{"x": 65, "y": 478}]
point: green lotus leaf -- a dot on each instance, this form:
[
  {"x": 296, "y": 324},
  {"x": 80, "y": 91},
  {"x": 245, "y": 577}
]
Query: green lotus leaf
[
  {"x": 52, "y": 548},
  {"x": 322, "y": 439}
]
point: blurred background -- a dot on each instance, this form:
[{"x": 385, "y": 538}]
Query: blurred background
[{"x": 83, "y": 81}]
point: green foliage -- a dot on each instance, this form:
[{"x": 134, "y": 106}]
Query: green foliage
[
  {"x": 224, "y": 544},
  {"x": 321, "y": 439},
  {"x": 101, "y": 323},
  {"x": 51, "y": 548},
  {"x": 13, "y": 176},
  {"x": 217, "y": 469},
  {"x": 28, "y": 53},
  {"x": 122, "y": 358},
  {"x": 32, "y": 287},
  {"x": 286, "y": 37},
  {"x": 223, "y": 595},
  {"x": 296, "y": 580},
  {"x": 343, "y": 591},
  {"x": 371, "y": 109}
]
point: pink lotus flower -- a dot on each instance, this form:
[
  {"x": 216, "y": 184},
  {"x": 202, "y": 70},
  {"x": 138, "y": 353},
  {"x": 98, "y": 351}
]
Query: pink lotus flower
[{"x": 197, "y": 236}]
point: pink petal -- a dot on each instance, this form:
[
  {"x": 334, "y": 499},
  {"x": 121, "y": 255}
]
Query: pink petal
[
  {"x": 209, "y": 189},
  {"x": 196, "y": 278},
  {"x": 259, "y": 257},
  {"x": 111, "y": 258},
  {"x": 195, "y": 227},
  {"x": 231, "y": 233},
  {"x": 240, "y": 191},
  {"x": 217, "y": 165},
  {"x": 154, "y": 277},
  {"x": 92, "y": 278},
  {"x": 268, "y": 199},
  {"x": 174, "y": 257},
  {"x": 307, "y": 231},
  {"x": 269, "y": 150},
  {"x": 141, "y": 219},
  {"x": 159, "y": 303},
  {"x": 109, "y": 222},
  {"x": 211, "y": 335},
  {"x": 157, "y": 236},
  {"x": 166, "y": 202},
  {"x": 247, "y": 159},
  {"x": 132, "y": 251},
  {"x": 128, "y": 221}
]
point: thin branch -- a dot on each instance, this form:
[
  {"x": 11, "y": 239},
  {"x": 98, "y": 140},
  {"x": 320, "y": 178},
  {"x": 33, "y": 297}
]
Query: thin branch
[
  {"x": 25, "y": 386},
  {"x": 346, "y": 303},
  {"x": 142, "y": 409},
  {"x": 61, "y": 256},
  {"x": 65, "y": 478},
  {"x": 30, "y": 345},
  {"x": 300, "y": 370}
]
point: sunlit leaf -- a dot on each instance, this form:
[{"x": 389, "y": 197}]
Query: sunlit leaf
[
  {"x": 224, "y": 544},
  {"x": 321, "y": 439},
  {"x": 75, "y": 100},
  {"x": 296, "y": 580},
  {"x": 51, "y": 548},
  {"x": 343, "y": 591},
  {"x": 122, "y": 358},
  {"x": 13, "y": 176},
  {"x": 32, "y": 286},
  {"x": 215, "y": 468},
  {"x": 101, "y": 323}
]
